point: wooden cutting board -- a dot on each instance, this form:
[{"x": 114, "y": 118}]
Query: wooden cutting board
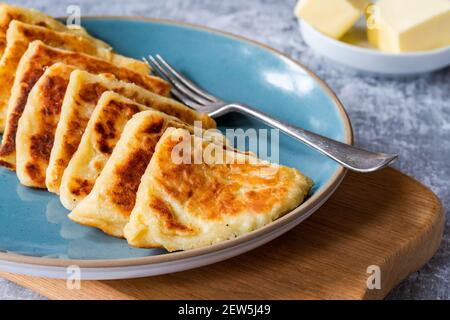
[{"x": 383, "y": 219}]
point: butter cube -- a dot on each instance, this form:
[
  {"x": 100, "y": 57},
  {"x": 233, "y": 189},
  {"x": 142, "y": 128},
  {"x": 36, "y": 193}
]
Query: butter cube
[
  {"x": 331, "y": 17},
  {"x": 409, "y": 25}
]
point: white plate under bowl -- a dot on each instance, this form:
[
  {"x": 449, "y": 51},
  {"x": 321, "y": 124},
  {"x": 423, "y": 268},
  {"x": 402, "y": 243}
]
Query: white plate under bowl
[{"x": 372, "y": 60}]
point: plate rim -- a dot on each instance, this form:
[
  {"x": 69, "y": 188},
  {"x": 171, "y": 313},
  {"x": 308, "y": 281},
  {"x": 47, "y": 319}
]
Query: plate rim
[{"x": 304, "y": 208}]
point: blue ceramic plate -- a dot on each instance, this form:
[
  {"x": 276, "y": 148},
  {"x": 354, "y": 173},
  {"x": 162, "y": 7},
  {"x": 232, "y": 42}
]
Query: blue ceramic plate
[{"x": 34, "y": 228}]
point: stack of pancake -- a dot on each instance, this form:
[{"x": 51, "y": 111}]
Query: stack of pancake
[{"x": 95, "y": 128}]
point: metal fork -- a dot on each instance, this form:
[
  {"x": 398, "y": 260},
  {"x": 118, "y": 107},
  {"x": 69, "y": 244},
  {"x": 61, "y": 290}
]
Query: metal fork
[{"x": 353, "y": 158}]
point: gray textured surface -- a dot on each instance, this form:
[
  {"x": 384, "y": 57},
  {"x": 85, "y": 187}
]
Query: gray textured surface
[{"x": 409, "y": 116}]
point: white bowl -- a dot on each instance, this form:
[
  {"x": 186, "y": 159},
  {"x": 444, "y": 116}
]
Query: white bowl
[{"x": 372, "y": 60}]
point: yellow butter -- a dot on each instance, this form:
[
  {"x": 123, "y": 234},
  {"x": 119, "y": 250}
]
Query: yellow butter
[
  {"x": 409, "y": 25},
  {"x": 331, "y": 17}
]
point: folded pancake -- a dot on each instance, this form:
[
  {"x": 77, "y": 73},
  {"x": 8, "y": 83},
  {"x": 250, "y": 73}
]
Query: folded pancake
[
  {"x": 20, "y": 35},
  {"x": 33, "y": 64},
  {"x": 36, "y": 127},
  {"x": 9, "y": 13},
  {"x": 81, "y": 97},
  {"x": 98, "y": 142},
  {"x": 109, "y": 204},
  {"x": 184, "y": 205}
]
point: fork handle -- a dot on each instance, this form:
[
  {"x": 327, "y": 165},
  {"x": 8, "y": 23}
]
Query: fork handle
[{"x": 353, "y": 158}]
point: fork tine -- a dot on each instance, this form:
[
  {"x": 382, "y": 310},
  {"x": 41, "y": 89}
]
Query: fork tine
[
  {"x": 186, "y": 81},
  {"x": 186, "y": 100},
  {"x": 181, "y": 96},
  {"x": 155, "y": 68},
  {"x": 177, "y": 84}
]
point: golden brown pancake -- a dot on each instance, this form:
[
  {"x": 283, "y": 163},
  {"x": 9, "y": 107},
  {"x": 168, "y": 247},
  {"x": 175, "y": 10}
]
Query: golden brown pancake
[
  {"x": 81, "y": 97},
  {"x": 33, "y": 64},
  {"x": 99, "y": 139},
  {"x": 182, "y": 206},
  {"x": 36, "y": 128},
  {"x": 109, "y": 204},
  {"x": 9, "y": 13},
  {"x": 20, "y": 35}
]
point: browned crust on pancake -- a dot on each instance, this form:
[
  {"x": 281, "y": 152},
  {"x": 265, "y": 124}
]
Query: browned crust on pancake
[
  {"x": 190, "y": 205},
  {"x": 45, "y": 110},
  {"x": 166, "y": 216},
  {"x": 26, "y": 33},
  {"x": 222, "y": 184},
  {"x": 106, "y": 132},
  {"x": 39, "y": 56},
  {"x": 85, "y": 89},
  {"x": 108, "y": 126},
  {"x": 123, "y": 189},
  {"x": 9, "y": 13},
  {"x": 154, "y": 128},
  {"x": 127, "y": 184},
  {"x": 72, "y": 141},
  {"x": 128, "y": 179},
  {"x": 55, "y": 87},
  {"x": 34, "y": 172},
  {"x": 117, "y": 185},
  {"x": 81, "y": 187},
  {"x": 7, "y": 165},
  {"x": 21, "y": 34},
  {"x": 167, "y": 107},
  {"x": 48, "y": 56},
  {"x": 9, "y": 139},
  {"x": 42, "y": 143},
  {"x": 91, "y": 92}
]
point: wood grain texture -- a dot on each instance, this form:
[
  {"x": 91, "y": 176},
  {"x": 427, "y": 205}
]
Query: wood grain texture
[{"x": 385, "y": 219}]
